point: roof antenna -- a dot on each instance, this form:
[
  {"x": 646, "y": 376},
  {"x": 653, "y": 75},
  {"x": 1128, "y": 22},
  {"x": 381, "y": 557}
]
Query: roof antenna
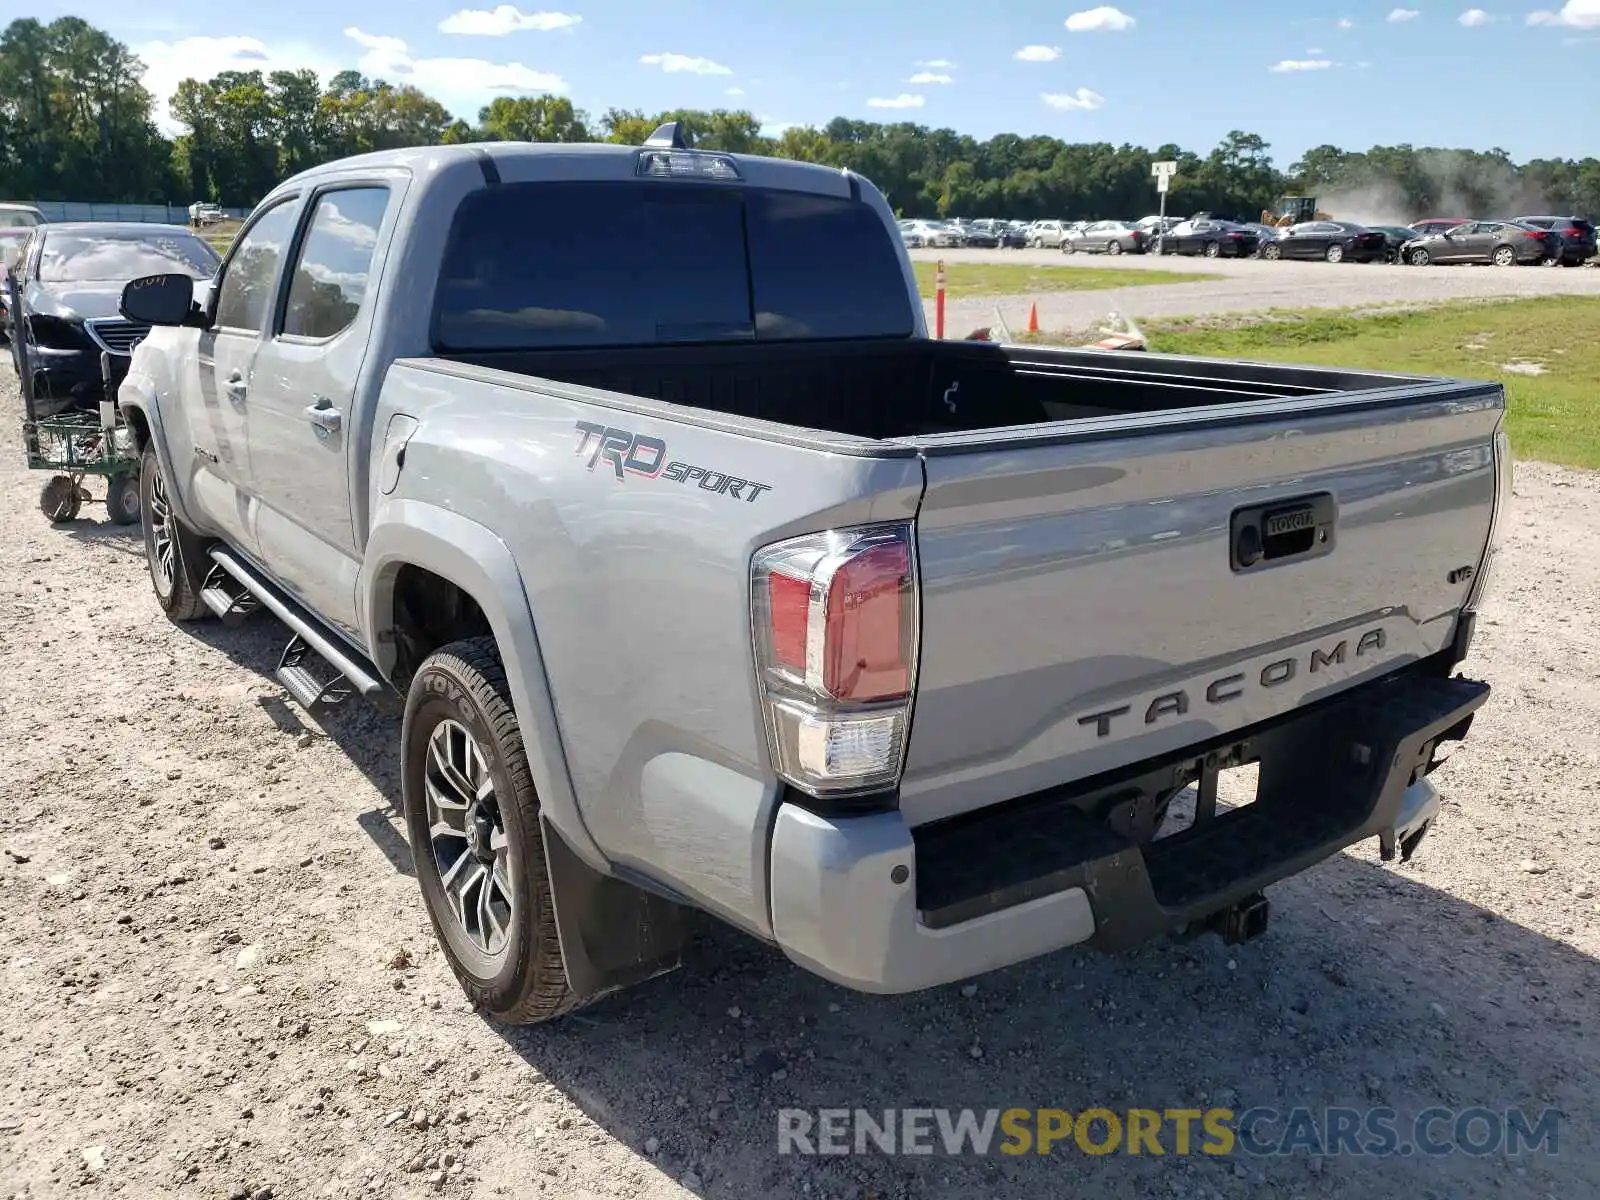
[{"x": 667, "y": 137}]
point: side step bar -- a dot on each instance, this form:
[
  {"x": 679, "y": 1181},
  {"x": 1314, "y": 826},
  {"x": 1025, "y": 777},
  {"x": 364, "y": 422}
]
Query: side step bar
[
  {"x": 227, "y": 598},
  {"x": 354, "y": 674}
]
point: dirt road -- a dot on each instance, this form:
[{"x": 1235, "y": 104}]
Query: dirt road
[
  {"x": 216, "y": 978},
  {"x": 1247, "y": 285}
]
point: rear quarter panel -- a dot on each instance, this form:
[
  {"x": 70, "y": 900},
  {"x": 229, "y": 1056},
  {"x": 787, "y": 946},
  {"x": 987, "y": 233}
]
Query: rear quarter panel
[{"x": 638, "y": 587}]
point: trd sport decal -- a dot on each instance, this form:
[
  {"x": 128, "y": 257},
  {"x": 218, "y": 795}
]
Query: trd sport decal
[{"x": 638, "y": 454}]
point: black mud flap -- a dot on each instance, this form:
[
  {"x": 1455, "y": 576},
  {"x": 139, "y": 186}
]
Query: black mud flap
[{"x": 613, "y": 934}]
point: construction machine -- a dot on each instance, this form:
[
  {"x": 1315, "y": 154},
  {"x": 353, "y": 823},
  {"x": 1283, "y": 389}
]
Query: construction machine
[{"x": 1292, "y": 210}]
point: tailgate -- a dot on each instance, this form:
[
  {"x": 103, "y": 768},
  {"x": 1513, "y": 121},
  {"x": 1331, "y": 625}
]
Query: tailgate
[{"x": 1094, "y": 597}]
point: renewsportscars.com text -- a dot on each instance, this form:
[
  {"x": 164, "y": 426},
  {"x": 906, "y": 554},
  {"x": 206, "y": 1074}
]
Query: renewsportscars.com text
[{"x": 1332, "y": 1131}]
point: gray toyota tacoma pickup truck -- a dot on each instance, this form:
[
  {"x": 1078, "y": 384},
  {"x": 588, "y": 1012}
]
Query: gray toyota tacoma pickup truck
[{"x": 713, "y": 585}]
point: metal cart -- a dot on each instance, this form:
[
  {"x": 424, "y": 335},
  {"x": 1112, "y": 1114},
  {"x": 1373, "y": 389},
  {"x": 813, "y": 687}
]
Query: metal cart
[{"x": 77, "y": 444}]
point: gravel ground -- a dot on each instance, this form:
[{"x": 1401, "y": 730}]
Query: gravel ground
[
  {"x": 1248, "y": 285},
  {"x": 218, "y": 979}
]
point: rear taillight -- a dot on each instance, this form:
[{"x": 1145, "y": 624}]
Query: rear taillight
[
  {"x": 835, "y": 618},
  {"x": 1537, "y": 234}
]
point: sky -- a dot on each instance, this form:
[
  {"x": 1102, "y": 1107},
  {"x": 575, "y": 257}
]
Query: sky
[{"x": 1346, "y": 72}]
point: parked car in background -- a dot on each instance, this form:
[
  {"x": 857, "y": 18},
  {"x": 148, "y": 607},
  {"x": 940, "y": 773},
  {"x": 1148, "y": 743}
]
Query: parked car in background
[
  {"x": 1503, "y": 243},
  {"x": 1335, "y": 241},
  {"x": 1264, "y": 234},
  {"x": 918, "y": 234},
  {"x": 1013, "y": 235},
  {"x": 1105, "y": 237},
  {"x": 980, "y": 237},
  {"x": 20, "y": 216},
  {"x": 1047, "y": 235},
  {"x": 1157, "y": 224},
  {"x": 1395, "y": 239},
  {"x": 69, "y": 284},
  {"x": 1578, "y": 236},
  {"x": 1432, "y": 225},
  {"x": 1213, "y": 239}
]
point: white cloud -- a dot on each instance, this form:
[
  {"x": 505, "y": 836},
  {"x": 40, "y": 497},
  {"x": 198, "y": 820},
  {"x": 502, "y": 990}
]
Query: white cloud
[
  {"x": 1473, "y": 17},
  {"x": 1346, "y": 23},
  {"x": 1396, "y": 15},
  {"x": 1038, "y": 54},
  {"x": 1300, "y": 64},
  {"x": 937, "y": 64},
  {"x": 672, "y": 64},
  {"x": 1082, "y": 100},
  {"x": 903, "y": 100},
  {"x": 462, "y": 85},
  {"x": 929, "y": 77},
  {"x": 1316, "y": 52},
  {"x": 733, "y": 91},
  {"x": 507, "y": 18},
  {"x": 1104, "y": 19},
  {"x": 1579, "y": 14},
  {"x": 168, "y": 64}
]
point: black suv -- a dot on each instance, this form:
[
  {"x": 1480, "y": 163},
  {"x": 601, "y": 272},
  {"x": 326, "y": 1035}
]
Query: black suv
[{"x": 1577, "y": 234}]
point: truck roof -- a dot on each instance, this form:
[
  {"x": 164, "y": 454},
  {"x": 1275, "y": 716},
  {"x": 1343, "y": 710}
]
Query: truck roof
[{"x": 508, "y": 156}]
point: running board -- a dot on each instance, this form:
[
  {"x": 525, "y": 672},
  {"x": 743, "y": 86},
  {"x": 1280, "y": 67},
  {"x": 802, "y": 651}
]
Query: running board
[
  {"x": 231, "y": 601},
  {"x": 313, "y": 695},
  {"x": 353, "y": 674}
]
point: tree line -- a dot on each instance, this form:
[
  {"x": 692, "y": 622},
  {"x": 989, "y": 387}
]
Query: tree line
[{"x": 76, "y": 123}]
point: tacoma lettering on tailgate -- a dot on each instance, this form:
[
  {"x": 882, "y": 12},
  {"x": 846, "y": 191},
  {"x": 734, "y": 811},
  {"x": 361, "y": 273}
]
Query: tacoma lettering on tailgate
[
  {"x": 1177, "y": 702},
  {"x": 631, "y": 453}
]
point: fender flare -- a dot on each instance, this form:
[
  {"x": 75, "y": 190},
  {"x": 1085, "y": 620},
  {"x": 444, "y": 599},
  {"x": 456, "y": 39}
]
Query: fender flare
[{"x": 454, "y": 547}]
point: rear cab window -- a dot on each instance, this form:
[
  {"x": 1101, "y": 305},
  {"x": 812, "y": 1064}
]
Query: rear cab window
[{"x": 648, "y": 262}]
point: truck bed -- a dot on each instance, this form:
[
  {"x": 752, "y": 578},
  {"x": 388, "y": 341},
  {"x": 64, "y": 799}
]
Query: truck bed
[{"x": 903, "y": 388}]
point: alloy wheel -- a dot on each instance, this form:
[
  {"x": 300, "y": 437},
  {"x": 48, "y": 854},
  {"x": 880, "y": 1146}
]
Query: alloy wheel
[
  {"x": 467, "y": 838},
  {"x": 161, "y": 543}
]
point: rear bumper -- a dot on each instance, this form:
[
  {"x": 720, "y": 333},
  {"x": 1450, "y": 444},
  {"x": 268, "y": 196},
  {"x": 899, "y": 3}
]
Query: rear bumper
[{"x": 872, "y": 904}]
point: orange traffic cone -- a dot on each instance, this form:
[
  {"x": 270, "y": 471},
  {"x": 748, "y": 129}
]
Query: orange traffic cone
[{"x": 1033, "y": 318}]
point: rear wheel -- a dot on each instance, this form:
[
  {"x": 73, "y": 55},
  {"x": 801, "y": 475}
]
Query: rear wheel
[
  {"x": 1420, "y": 257},
  {"x": 171, "y": 577},
  {"x": 1213, "y": 250},
  {"x": 1113, "y": 247},
  {"x": 1272, "y": 251},
  {"x": 1335, "y": 253},
  {"x": 1505, "y": 256},
  {"x": 473, "y": 820}
]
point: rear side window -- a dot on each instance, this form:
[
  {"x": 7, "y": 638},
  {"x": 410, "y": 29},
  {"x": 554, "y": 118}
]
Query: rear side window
[{"x": 554, "y": 265}]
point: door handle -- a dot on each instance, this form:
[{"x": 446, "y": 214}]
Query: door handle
[
  {"x": 235, "y": 387},
  {"x": 324, "y": 416}
]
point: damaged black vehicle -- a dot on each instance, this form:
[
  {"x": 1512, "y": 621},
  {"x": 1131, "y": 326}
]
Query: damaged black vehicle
[{"x": 67, "y": 285}]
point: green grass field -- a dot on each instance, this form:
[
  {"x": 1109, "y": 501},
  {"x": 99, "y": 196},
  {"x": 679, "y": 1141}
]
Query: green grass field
[
  {"x": 221, "y": 235},
  {"x": 1015, "y": 279},
  {"x": 1546, "y": 352}
]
